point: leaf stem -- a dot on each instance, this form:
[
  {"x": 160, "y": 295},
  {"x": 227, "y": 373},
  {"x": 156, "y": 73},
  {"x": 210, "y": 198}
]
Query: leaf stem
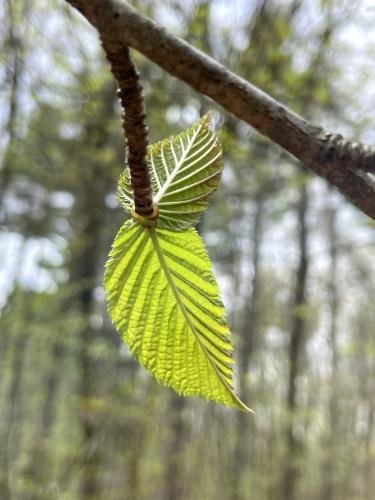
[{"x": 134, "y": 115}]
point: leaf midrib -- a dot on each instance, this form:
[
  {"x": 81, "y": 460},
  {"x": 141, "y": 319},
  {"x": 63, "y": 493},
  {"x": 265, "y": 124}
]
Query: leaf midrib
[{"x": 169, "y": 180}]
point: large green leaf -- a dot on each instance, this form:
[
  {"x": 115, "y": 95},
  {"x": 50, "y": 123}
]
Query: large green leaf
[
  {"x": 162, "y": 294},
  {"x": 185, "y": 170},
  {"x": 164, "y": 300}
]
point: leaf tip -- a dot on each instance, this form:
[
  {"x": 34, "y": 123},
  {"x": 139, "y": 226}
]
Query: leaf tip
[
  {"x": 240, "y": 405},
  {"x": 206, "y": 119}
]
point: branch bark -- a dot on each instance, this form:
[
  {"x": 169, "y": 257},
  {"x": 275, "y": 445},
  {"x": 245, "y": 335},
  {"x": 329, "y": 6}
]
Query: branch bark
[
  {"x": 134, "y": 114},
  {"x": 345, "y": 165}
]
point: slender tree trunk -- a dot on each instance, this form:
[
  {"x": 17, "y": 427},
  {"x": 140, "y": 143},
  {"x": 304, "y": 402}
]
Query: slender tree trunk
[
  {"x": 369, "y": 464},
  {"x": 16, "y": 45},
  {"x": 90, "y": 452},
  {"x": 296, "y": 348},
  {"x": 10, "y": 302},
  {"x": 329, "y": 469},
  {"x": 84, "y": 267},
  {"x": 248, "y": 343},
  {"x": 174, "y": 477},
  {"x": 38, "y": 471},
  {"x": 250, "y": 313},
  {"x": 9, "y": 417},
  {"x": 367, "y": 388}
]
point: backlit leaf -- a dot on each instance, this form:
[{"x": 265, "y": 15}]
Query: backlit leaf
[{"x": 162, "y": 295}]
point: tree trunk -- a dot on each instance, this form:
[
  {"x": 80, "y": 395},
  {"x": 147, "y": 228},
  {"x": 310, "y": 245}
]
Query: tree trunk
[
  {"x": 16, "y": 45},
  {"x": 296, "y": 348},
  {"x": 37, "y": 471},
  {"x": 248, "y": 341},
  {"x": 173, "y": 477},
  {"x": 84, "y": 267},
  {"x": 329, "y": 469},
  {"x": 369, "y": 463},
  {"x": 9, "y": 419}
]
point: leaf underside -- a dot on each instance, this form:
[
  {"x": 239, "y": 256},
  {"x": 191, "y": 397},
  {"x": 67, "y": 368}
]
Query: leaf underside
[{"x": 162, "y": 295}]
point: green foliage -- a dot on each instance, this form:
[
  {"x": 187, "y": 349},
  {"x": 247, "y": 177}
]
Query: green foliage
[
  {"x": 185, "y": 169},
  {"x": 162, "y": 294}
]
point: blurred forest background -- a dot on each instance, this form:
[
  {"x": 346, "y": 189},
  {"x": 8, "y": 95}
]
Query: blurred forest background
[{"x": 78, "y": 417}]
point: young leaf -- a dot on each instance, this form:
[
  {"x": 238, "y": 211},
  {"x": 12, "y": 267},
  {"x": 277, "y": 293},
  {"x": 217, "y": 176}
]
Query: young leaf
[
  {"x": 162, "y": 294},
  {"x": 185, "y": 170}
]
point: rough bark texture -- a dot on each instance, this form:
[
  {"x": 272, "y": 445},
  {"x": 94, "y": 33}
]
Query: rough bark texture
[
  {"x": 130, "y": 94},
  {"x": 343, "y": 164}
]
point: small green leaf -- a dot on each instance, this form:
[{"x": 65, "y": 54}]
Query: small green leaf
[{"x": 185, "y": 170}]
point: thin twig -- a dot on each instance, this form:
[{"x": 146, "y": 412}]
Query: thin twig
[{"x": 134, "y": 114}]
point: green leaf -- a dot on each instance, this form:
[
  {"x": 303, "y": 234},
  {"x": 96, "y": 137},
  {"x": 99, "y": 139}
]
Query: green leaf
[
  {"x": 185, "y": 170},
  {"x": 162, "y": 294},
  {"x": 164, "y": 300}
]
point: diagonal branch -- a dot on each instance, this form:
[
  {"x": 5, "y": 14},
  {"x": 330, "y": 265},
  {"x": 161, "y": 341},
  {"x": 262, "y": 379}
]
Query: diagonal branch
[{"x": 343, "y": 164}]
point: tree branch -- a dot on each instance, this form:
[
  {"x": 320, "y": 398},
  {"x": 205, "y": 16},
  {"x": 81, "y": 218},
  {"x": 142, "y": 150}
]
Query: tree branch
[{"x": 343, "y": 164}]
